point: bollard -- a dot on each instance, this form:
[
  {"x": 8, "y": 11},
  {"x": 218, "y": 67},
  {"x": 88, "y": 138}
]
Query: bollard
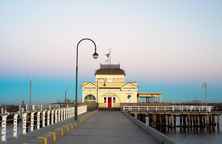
[
  {"x": 52, "y": 117},
  {"x": 3, "y": 130},
  {"x": 32, "y": 121},
  {"x": 38, "y": 120},
  {"x": 48, "y": 118},
  {"x": 43, "y": 119},
  {"x": 24, "y": 119},
  {"x": 15, "y": 120}
]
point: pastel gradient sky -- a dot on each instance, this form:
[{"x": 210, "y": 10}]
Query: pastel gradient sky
[{"x": 168, "y": 46}]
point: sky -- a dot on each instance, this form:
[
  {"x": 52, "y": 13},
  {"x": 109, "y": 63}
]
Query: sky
[{"x": 169, "y": 46}]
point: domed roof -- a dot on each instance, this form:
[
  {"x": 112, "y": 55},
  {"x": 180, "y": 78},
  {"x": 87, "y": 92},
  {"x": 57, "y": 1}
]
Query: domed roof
[{"x": 110, "y": 69}]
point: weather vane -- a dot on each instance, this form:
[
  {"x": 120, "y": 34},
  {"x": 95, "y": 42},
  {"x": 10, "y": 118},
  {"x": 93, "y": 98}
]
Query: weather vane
[{"x": 108, "y": 56}]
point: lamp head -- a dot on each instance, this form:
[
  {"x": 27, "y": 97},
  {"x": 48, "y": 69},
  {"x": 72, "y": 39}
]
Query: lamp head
[{"x": 95, "y": 55}]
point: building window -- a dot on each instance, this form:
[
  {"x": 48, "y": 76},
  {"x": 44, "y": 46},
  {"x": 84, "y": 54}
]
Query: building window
[
  {"x": 104, "y": 99},
  {"x": 114, "y": 100},
  {"x": 129, "y": 96}
]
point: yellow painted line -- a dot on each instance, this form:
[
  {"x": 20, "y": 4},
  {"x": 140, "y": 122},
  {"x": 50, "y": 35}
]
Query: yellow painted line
[
  {"x": 53, "y": 137},
  {"x": 43, "y": 140},
  {"x": 62, "y": 132}
]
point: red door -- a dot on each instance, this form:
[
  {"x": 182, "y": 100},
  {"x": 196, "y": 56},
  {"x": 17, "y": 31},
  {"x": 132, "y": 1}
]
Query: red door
[{"x": 109, "y": 102}]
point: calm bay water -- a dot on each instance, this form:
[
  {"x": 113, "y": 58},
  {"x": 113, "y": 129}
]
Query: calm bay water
[{"x": 215, "y": 138}]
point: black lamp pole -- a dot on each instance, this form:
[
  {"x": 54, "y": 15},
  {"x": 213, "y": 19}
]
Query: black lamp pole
[{"x": 95, "y": 56}]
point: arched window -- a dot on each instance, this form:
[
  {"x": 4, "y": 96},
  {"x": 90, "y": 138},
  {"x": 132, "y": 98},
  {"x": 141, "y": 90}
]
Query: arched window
[
  {"x": 114, "y": 99},
  {"x": 90, "y": 98}
]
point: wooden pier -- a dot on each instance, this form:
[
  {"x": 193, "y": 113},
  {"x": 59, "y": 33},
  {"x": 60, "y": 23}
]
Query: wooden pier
[{"x": 178, "y": 118}]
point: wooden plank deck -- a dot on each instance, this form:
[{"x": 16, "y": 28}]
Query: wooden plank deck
[{"x": 108, "y": 128}]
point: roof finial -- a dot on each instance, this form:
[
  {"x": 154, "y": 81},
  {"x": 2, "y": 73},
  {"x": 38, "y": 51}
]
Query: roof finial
[{"x": 108, "y": 57}]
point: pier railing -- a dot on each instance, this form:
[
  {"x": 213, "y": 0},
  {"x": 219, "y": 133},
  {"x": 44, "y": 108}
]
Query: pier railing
[
  {"x": 173, "y": 118},
  {"x": 23, "y": 122},
  {"x": 168, "y": 108}
]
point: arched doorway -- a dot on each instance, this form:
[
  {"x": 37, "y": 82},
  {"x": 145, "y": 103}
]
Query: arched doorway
[{"x": 90, "y": 98}]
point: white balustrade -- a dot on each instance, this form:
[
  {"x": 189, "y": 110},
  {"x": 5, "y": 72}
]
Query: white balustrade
[
  {"x": 173, "y": 108},
  {"x": 15, "y": 124},
  {"x": 24, "y": 120},
  {"x": 43, "y": 119},
  {"x": 2, "y": 110},
  {"x": 82, "y": 109},
  {"x": 59, "y": 115},
  {"x": 41, "y": 107},
  {"x": 38, "y": 120},
  {"x": 157, "y": 108},
  {"x": 52, "y": 117},
  {"x": 32, "y": 121},
  {"x": 64, "y": 113},
  {"x": 48, "y": 117},
  {"x": 70, "y": 113},
  {"x": 26, "y": 107},
  {"x": 33, "y": 107},
  {"x": 3, "y": 125},
  {"x": 56, "y": 116},
  {"x": 67, "y": 113}
]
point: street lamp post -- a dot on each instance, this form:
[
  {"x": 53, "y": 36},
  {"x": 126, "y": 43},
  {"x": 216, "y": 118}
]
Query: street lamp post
[{"x": 95, "y": 56}]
